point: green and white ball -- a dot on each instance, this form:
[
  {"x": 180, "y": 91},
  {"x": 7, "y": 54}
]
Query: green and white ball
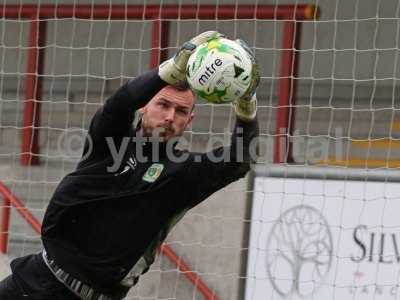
[{"x": 220, "y": 71}]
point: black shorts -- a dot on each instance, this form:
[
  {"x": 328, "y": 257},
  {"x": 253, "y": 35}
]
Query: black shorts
[{"x": 32, "y": 280}]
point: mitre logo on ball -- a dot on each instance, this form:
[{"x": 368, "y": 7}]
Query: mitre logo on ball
[
  {"x": 209, "y": 71},
  {"x": 220, "y": 71}
]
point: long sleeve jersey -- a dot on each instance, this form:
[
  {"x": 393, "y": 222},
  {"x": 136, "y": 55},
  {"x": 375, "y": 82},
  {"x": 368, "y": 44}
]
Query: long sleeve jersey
[{"x": 103, "y": 226}]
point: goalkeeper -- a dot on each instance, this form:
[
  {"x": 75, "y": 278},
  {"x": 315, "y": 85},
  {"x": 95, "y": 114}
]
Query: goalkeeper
[{"x": 106, "y": 219}]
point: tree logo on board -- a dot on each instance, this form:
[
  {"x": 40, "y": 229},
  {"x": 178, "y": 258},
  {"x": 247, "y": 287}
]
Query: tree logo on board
[{"x": 299, "y": 252}]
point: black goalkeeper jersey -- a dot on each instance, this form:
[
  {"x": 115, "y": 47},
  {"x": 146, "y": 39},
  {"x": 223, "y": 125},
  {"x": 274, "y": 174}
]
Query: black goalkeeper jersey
[{"x": 103, "y": 224}]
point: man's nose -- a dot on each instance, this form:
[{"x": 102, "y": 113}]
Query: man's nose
[{"x": 170, "y": 115}]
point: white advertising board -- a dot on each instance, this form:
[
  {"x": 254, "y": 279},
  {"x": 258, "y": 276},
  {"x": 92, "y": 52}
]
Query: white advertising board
[{"x": 324, "y": 239}]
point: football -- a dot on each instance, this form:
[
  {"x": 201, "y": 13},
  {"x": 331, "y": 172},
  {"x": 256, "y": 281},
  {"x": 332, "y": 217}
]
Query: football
[{"x": 221, "y": 70}]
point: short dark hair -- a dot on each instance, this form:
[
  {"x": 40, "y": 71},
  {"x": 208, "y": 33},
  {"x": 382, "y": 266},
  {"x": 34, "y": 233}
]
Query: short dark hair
[{"x": 184, "y": 86}]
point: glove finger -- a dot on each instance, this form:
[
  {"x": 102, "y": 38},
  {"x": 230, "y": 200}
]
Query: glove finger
[
  {"x": 247, "y": 48},
  {"x": 205, "y": 37},
  {"x": 251, "y": 90},
  {"x": 183, "y": 55},
  {"x": 255, "y": 74},
  {"x": 188, "y": 48}
]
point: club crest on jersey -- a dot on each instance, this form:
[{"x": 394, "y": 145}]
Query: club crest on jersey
[{"x": 153, "y": 172}]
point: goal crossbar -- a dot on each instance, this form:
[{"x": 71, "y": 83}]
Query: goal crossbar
[{"x": 154, "y": 12}]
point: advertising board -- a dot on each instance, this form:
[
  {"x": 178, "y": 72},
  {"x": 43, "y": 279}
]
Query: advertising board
[{"x": 324, "y": 239}]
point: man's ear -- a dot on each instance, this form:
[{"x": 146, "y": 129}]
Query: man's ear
[
  {"x": 191, "y": 117},
  {"x": 142, "y": 110}
]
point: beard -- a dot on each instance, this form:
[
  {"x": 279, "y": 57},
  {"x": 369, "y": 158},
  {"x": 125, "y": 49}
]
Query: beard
[{"x": 161, "y": 131}]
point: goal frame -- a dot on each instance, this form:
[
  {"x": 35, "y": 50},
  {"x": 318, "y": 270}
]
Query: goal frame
[{"x": 161, "y": 17}]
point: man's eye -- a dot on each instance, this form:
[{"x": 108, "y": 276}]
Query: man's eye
[
  {"x": 182, "y": 111},
  {"x": 163, "y": 104}
]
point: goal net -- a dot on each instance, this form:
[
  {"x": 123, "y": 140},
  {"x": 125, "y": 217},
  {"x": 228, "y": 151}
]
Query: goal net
[{"x": 315, "y": 218}]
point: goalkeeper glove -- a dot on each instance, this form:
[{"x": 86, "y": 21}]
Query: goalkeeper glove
[
  {"x": 246, "y": 109},
  {"x": 246, "y": 106},
  {"x": 173, "y": 70}
]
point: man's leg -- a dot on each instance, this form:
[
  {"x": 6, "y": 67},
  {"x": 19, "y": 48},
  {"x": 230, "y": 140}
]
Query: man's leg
[{"x": 10, "y": 290}]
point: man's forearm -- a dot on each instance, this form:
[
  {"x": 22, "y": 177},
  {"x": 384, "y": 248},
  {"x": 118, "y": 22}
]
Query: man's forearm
[
  {"x": 244, "y": 141},
  {"x": 115, "y": 118},
  {"x": 135, "y": 93}
]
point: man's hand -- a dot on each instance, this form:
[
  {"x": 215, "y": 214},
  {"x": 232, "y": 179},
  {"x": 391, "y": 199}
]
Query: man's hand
[
  {"x": 246, "y": 109},
  {"x": 246, "y": 106},
  {"x": 173, "y": 70}
]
